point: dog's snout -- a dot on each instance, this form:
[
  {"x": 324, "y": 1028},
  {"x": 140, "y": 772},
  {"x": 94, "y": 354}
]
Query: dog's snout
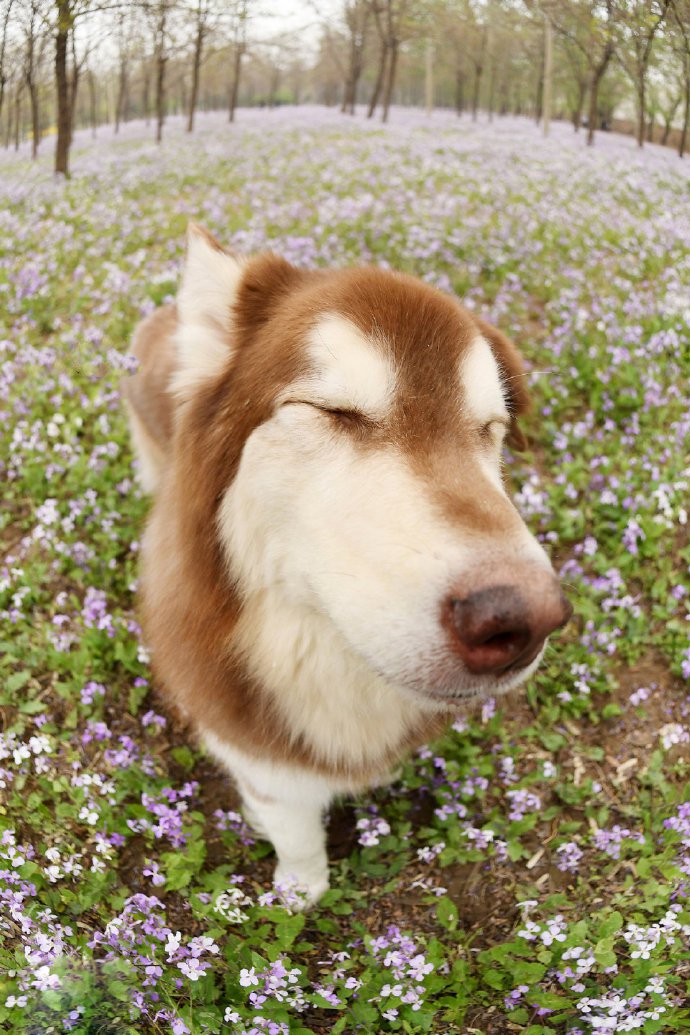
[{"x": 503, "y": 627}]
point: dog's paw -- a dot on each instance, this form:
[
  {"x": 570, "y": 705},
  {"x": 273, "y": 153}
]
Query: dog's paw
[{"x": 301, "y": 890}]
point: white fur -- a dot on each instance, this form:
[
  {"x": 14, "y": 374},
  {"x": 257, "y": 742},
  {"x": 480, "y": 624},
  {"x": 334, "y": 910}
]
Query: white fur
[
  {"x": 287, "y": 805},
  {"x": 342, "y": 585},
  {"x": 484, "y": 402},
  {"x": 480, "y": 381},
  {"x": 209, "y": 287},
  {"x": 349, "y": 370}
]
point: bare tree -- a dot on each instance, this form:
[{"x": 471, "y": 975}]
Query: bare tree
[
  {"x": 639, "y": 23},
  {"x": 78, "y": 64},
  {"x": 383, "y": 58},
  {"x": 592, "y": 27},
  {"x": 205, "y": 16},
  {"x": 396, "y": 19},
  {"x": 239, "y": 22},
  {"x": 124, "y": 35},
  {"x": 93, "y": 108},
  {"x": 5, "y": 12},
  {"x": 479, "y": 35},
  {"x": 357, "y": 16},
  {"x": 579, "y": 80},
  {"x": 65, "y": 15},
  {"x": 681, "y": 26},
  {"x": 159, "y": 15},
  {"x": 33, "y": 27}
]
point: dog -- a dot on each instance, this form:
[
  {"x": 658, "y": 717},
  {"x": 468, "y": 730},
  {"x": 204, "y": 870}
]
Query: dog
[{"x": 332, "y": 567}]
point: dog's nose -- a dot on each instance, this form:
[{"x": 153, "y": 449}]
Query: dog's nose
[{"x": 501, "y": 627}]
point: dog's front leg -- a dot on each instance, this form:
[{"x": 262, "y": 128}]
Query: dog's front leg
[
  {"x": 286, "y": 805},
  {"x": 292, "y": 818}
]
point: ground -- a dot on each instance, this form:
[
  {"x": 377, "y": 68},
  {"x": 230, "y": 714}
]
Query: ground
[{"x": 530, "y": 871}]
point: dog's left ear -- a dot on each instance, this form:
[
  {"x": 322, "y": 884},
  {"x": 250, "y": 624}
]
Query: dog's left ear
[
  {"x": 512, "y": 367},
  {"x": 205, "y": 301}
]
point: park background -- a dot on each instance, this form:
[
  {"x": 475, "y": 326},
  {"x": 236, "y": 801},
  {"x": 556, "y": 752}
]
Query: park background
[
  {"x": 529, "y": 872},
  {"x": 613, "y": 64}
]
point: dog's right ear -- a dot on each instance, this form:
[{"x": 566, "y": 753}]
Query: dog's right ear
[{"x": 205, "y": 301}]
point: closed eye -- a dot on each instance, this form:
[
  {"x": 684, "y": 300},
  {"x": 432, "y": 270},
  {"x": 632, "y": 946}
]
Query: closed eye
[
  {"x": 349, "y": 419},
  {"x": 494, "y": 430},
  {"x": 352, "y": 419}
]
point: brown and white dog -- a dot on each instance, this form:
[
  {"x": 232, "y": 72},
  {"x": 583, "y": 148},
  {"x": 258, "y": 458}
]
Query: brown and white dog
[{"x": 332, "y": 567}]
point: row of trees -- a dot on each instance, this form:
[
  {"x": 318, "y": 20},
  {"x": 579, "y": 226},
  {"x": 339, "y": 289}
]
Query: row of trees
[{"x": 70, "y": 63}]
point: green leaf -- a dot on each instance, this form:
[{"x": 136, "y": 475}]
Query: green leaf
[
  {"x": 611, "y": 925},
  {"x": 495, "y": 979},
  {"x": 17, "y": 680},
  {"x": 447, "y": 914},
  {"x": 603, "y": 952},
  {"x": 289, "y": 929},
  {"x": 184, "y": 757},
  {"x": 551, "y": 740},
  {"x": 525, "y": 973},
  {"x": 32, "y": 707}
]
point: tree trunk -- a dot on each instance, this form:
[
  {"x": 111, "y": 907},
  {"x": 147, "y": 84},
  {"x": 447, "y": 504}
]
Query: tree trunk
[
  {"x": 64, "y": 129},
  {"x": 579, "y": 105},
  {"x": 121, "y": 91},
  {"x": 235, "y": 84},
  {"x": 459, "y": 91},
  {"x": 196, "y": 68},
  {"x": 35, "y": 117},
  {"x": 650, "y": 128},
  {"x": 160, "y": 96},
  {"x": 390, "y": 80},
  {"x": 347, "y": 92},
  {"x": 350, "y": 88},
  {"x": 597, "y": 76},
  {"x": 686, "y": 107},
  {"x": 18, "y": 119},
  {"x": 539, "y": 99},
  {"x": 383, "y": 60},
  {"x": 492, "y": 89},
  {"x": 146, "y": 95},
  {"x": 92, "y": 102},
  {"x": 548, "y": 74},
  {"x": 30, "y": 81},
  {"x": 351, "y": 83},
  {"x": 641, "y": 100},
  {"x": 475, "y": 92},
  {"x": 73, "y": 87},
  {"x": 429, "y": 77},
  {"x": 669, "y": 115},
  {"x": 8, "y": 126}
]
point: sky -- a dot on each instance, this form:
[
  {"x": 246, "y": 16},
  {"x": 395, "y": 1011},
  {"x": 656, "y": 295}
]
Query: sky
[{"x": 301, "y": 17}]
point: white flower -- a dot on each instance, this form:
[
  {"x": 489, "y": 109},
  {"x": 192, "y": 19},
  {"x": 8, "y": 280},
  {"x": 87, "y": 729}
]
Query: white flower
[
  {"x": 248, "y": 977},
  {"x": 173, "y": 944},
  {"x": 192, "y": 968},
  {"x": 13, "y": 1000}
]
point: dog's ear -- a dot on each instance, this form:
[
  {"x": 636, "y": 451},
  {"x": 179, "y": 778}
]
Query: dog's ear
[
  {"x": 205, "y": 302},
  {"x": 266, "y": 281},
  {"x": 512, "y": 367}
]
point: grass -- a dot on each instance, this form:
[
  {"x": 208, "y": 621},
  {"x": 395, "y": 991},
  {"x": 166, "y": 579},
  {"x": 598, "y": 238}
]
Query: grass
[{"x": 530, "y": 871}]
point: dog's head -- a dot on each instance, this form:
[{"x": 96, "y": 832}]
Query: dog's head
[{"x": 344, "y": 432}]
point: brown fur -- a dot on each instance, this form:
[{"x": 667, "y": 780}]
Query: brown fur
[
  {"x": 147, "y": 391},
  {"x": 190, "y": 606}
]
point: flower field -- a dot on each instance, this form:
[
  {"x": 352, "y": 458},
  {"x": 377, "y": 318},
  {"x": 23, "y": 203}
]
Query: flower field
[{"x": 530, "y": 872}]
